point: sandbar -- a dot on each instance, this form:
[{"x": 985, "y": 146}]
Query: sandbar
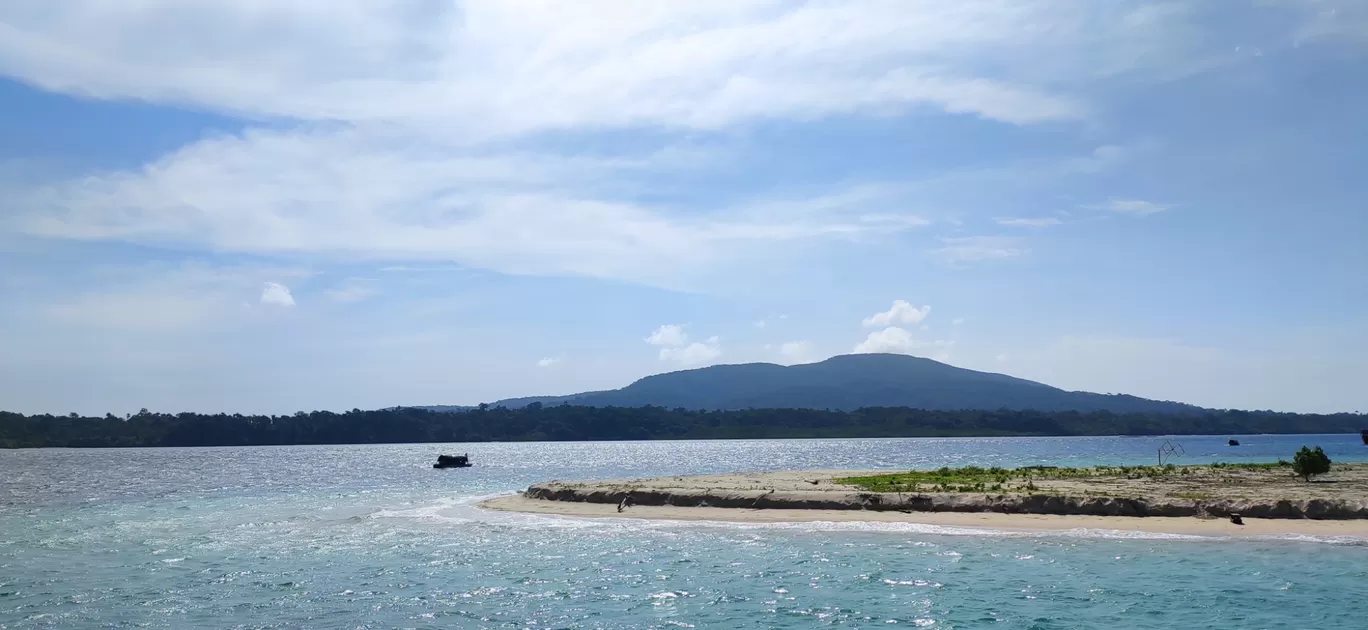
[{"x": 1280, "y": 504}]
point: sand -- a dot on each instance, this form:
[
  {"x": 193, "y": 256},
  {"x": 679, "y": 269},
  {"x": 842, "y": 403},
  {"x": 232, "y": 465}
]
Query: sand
[{"x": 1070, "y": 504}]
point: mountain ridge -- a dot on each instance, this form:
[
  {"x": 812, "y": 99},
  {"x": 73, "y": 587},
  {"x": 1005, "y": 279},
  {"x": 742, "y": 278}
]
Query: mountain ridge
[{"x": 848, "y": 382}]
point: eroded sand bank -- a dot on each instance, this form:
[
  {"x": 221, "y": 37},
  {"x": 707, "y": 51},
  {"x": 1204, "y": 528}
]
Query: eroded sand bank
[{"x": 1338, "y": 505}]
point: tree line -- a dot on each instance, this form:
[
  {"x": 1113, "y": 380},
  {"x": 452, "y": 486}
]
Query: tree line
[{"x": 571, "y": 423}]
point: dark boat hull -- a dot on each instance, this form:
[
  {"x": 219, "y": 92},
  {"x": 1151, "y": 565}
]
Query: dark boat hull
[{"x": 452, "y": 461}]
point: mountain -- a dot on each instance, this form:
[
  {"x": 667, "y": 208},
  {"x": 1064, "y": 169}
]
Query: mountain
[{"x": 850, "y": 382}]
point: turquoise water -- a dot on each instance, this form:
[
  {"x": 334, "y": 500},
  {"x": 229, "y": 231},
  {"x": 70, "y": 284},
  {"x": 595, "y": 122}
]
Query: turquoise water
[{"x": 371, "y": 536}]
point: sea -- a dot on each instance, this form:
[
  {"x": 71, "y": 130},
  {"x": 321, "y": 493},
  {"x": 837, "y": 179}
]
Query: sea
[{"x": 371, "y": 536}]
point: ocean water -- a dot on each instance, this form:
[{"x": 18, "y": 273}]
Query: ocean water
[{"x": 373, "y": 537}]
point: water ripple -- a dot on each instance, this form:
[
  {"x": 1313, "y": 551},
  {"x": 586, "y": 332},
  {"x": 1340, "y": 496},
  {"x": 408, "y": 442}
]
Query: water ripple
[{"x": 371, "y": 536}]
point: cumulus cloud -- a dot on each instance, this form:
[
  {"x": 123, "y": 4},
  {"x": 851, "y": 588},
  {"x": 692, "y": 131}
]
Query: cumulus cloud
[
  {"x": 668, "y": 335},
  {"x": 892, "y": 339},
  {"x": 676, "y": 347},
  {"x": 277, "y": 294},
  {"x": 696, "y": 353},
  {"x": 902, "y": 312},
  {"x": 547, "y": 362},
  {"x": 895, "y": 340}
]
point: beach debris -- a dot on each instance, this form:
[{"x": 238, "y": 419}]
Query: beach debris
[
  {"x": 814, "y": 481},
  {"x": 625, "y": 503},
  {"x": 1235, "y": 518}
]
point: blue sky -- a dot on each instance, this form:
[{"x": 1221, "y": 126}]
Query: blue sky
[{"x": 274, "y": 206}]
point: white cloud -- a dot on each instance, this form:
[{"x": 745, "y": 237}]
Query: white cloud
[
  {"x": 696, "y": 353},
  {"x": 797, "y": 352},
  {"x": 367, "y": 193},
  {"x": 979, "y": 248},
  {"x": 668, "y": 335},
  {"x": 676, "y": 346},
  {"x": 277, "y": 294},
  {"x": 895, "y": 340},
  {"x": 1029, "y": 222},
  {"x": 901, "y": 312},
  {"x": 1136, "y": 207},
  {"x": 547, "y": 362},
  {"x": 409, "y": 112},
  {"x": 489, "y": 68}
]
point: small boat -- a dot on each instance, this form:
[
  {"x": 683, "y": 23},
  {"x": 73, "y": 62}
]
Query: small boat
[
  {"x": 1364, "y": 434},
  {"x": 452, "y": 461},
  {"x": 1233, "y": 442}
]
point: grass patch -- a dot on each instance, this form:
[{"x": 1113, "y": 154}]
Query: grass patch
[{"x": 977, "y": 479}]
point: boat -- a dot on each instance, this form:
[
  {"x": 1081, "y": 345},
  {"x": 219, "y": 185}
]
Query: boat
[
  {"x": 1364, "y": 434},
  {"x": 1233, "y": 442},
  {"x": 452, "y": 461}
]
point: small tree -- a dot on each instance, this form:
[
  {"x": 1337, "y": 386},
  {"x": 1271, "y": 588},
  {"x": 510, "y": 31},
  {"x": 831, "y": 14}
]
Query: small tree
[{"x": 1309, "y": 462}]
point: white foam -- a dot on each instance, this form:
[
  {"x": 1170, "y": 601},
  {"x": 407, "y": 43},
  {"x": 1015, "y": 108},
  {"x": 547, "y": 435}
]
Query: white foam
[
  {"x": 1353, "y": 541},
  {"x": 436, "y": 512}
]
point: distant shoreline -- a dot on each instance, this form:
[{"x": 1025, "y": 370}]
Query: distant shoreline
[
  {"x": 591, "y": 424},
  {"x": 1222, "y": 436},
  {"x": 1199, "y": 501}
]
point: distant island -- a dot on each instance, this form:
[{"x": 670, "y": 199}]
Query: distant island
[
  {"x": 847, "y": 383},
  {"x": 537, "y": 422},
  {"x": 868, "y": 395}
]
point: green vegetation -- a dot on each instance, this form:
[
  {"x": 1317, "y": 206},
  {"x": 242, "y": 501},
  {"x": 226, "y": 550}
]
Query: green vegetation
[
  {"x": 1308, "y": 462},
  {"x": 539, "y": 422},
  {"x": 976, "y": 479}
]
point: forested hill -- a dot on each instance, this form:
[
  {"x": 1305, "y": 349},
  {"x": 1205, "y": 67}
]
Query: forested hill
[
  {"x": 852, "y": 382},
  {"x": 560, "y": 423}
]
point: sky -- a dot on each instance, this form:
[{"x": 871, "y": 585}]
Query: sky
[{"x": 269, "y": 205}]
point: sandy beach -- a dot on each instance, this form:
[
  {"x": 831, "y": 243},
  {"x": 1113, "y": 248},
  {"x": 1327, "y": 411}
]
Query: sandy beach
[{"x": 816, "y": 496}]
